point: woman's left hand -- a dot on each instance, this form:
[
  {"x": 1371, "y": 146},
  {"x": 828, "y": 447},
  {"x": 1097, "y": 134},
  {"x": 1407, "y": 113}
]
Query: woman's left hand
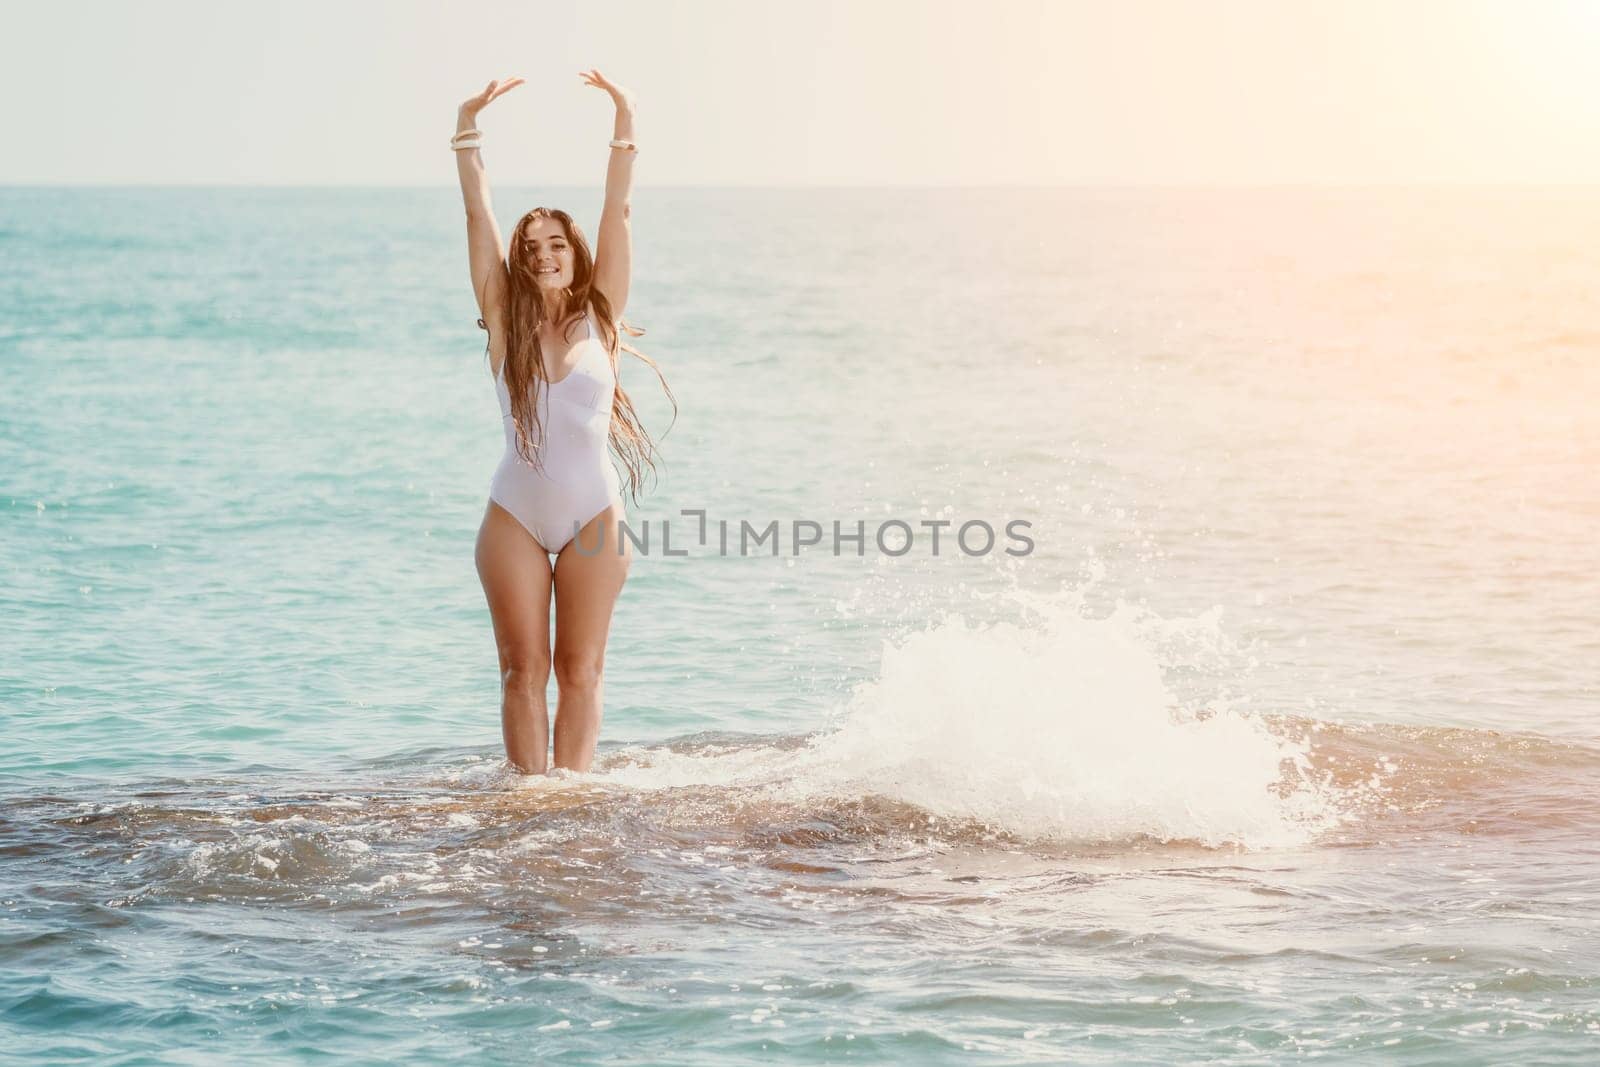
[{"x": 620, "y": 96}]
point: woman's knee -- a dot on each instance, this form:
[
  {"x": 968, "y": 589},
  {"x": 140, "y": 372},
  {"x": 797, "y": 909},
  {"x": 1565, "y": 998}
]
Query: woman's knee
[
  {"x": 579, "y": 669},
  {"x": 524, "y": 669}
]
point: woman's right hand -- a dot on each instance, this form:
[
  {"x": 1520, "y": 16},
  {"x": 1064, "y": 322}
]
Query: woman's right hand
[{"x": 472, "y": 105}]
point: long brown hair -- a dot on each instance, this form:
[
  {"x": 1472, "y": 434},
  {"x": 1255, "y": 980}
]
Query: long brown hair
[{"x": 524, "y": 364}]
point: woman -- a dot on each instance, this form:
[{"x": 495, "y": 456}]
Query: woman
[{"x": 554, "y": 317}]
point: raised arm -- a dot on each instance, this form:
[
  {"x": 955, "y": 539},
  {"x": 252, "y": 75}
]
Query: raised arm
[
  {"x": 613, "y": 254},
  {"x": 486, "y": 253}
]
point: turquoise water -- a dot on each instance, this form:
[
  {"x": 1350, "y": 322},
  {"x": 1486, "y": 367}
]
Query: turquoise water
[{"x": 1281, "y": 743}]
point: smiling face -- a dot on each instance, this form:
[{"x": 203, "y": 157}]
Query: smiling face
[{"x": 548, "y": 251}]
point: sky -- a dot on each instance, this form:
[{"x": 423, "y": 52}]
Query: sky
[{"x": 820, "y": 92}]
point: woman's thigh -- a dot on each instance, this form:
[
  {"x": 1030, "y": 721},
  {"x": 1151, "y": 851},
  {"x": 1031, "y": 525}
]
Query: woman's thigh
[
  {"x": 587, "y": 586},
  {"x": 517, "y": 578}
]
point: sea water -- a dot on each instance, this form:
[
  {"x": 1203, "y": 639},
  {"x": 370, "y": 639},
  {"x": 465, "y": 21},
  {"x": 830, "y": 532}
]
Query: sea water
[{"x": 1277, "y": 739}]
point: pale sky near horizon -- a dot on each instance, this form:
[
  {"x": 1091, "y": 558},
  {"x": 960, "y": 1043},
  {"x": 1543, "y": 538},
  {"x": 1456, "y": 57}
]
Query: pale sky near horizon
[{"x": 758, "y": 92}]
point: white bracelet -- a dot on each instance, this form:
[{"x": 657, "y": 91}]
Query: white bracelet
[
  {"x": 629, "y": 145},
  {"x": 459, "y": 145}
]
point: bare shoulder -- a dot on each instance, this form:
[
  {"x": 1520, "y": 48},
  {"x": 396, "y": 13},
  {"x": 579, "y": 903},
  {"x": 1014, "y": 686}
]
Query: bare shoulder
[{"x": 595, "y": 316}]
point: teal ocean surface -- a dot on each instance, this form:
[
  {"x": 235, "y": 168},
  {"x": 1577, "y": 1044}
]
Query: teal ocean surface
[{"x": 1280, "y": 743}]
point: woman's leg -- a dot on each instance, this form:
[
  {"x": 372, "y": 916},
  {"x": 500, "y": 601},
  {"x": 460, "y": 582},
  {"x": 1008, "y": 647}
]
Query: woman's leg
[
  {"x": 515, "y": 572},
  {"x": 586, "y": 590}
]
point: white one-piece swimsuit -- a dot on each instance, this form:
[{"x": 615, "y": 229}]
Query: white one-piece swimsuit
[{"x": 576, "y": 481}]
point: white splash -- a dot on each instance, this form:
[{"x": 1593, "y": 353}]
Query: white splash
[{"x": 1063, "y": 728}]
